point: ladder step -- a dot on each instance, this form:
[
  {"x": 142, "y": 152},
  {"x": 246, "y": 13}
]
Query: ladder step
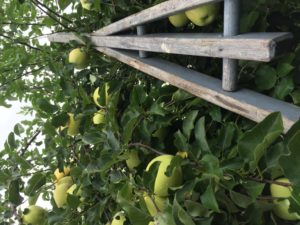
[
  {"x": 252, "y": 46},
  {"x": 156, "y": 12},
  {"x": 247, "y": 103}
]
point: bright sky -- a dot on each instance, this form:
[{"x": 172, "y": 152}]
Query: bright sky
[{"x": 9, "y": 118}]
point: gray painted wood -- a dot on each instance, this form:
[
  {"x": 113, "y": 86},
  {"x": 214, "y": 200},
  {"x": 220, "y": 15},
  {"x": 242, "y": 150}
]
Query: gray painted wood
[
  {"x": 156, "y": 12},
  {"x": 141, "y": 30},
  {"x": 253, "y": 46},
  {"x": 231, "y": 28},
  {"x": 247, "y": 103}
]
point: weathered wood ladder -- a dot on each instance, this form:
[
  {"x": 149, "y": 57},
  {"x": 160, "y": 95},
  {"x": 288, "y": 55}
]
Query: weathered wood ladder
[{"x": 230, "y": 46}]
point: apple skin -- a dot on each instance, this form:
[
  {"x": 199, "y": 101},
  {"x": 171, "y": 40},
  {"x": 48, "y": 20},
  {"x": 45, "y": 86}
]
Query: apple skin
[
  {"x": 204, "y": 14},
  {"x": 179, "y": 20},
  {"x": 73, "y": 125},
  {"x": 133, "y": 159},
  {"x": 86, "y": 4},
  {"x": 65, "y": 180},
  {"x": 119, "y": 219},
  {"x": 163, "y": 182},
  {"x": 281, "y": 208},
  {"x": 96, "y": 96},
  {"x": 36, "y": 215},
  {"x": 99, "y": 117},
  {"x": 160, "y": 202},
  {"x": 58, "y": 175},
  {"x": 60, "y": 194},
  {"x": 79, "y": 58},
  {"x": 151, "y": 223}
]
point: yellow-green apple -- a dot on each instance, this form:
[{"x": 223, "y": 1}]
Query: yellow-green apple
[
  {"x": 179, "y": 20},
  {"x": 119, "y": 219},
  {"x": 102, "y": 100},
  {"x": 204, "y": 14},
  {"x": 99, "y": 117},
  {"x": 58, "y": 175},
  {"x": 154, "y": 204},
  {"x": 162, "y": 181},
  {"x": 281, "y": 208},
  {"x": 60, "y": 194},
  {"x": 86, "y": 4},
  {"x": 73, "y": 125},
  {"x": 79, "y": 58},
  {"x": 34, "y": 215},
  {"x": 133, "y": 159},
  {"x": 64, "y": 180}
]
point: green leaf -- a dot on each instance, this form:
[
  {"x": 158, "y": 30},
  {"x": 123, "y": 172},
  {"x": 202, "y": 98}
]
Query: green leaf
[
  {"x": 23, "y": 163},
  {"x": 296, "y": 97},
  {"x": 138, "y": 95},
  {"x": 165, "y": 217},
  {"x": 180, "y": 141},
  {"x": 254, "y": 143},
  {"x": 240, "y": 200},
  {"x": 188, "y": 123},
  {"x": 14, "y": 192},
  {"x": 248, "y": 21},
  {"x": 283, "y": 69},
  {"x": 290, "y": 162},
  {"x": 181, "y": 214},
  {"x": 200, "y": 135},
  {"x": 93, "y": 138},
  {"x": 35, "y": 183},
  {"x": 211, "y": 166},
  {"x": 284, "y": 88},
  {"x": 135, "y": 215},
  {"x": 195, "y": 209},
  {"x": 46, "y": 106},
  {"x": 11, "y": 140},
  {"x": 265, "y": 77},
  {"x": 60, "y": 120},
  {"x": 157, "y": 109},
  {"x": 208, "y": 199}
]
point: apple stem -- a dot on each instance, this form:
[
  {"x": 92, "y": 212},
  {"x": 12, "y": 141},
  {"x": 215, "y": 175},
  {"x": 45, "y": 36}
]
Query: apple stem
[{"x": 146, "y": 147}]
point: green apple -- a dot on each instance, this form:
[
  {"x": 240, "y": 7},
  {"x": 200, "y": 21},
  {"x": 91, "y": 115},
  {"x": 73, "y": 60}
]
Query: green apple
[
  {"x": 73, "y": 125},
  {"x": 160, "y": 203},
  {"x": 119, "y": 219},
  {"x": 151, "y": 223},
  {"x": 99, "y": 117},
  {"x": 281, "y": 208},
  {"x": 86, "y": 4},
  {"x": 178, "y": 20},
  {"x": 133, "y": 159},
  {"x": 58, "y": 175},
  {"x": 65, "y": 180},
  {"x": 163, "y": 182},
  {"x": 204, "y": 14},
  {"x": 79, "y": 58},
  {"x": 34, "y": 215},
  {"x": 102, "y": 100},
  {"x": 60, "y": 194}
]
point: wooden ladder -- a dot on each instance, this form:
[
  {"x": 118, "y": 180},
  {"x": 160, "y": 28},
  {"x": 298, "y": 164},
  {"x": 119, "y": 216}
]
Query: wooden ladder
[{"x": 230, "y": 46}]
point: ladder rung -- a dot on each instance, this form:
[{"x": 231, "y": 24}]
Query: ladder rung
[
  {"x": 247, "y": 103},
  {"x": 154, "y": 13},
  {"x": 252, "y": 46}
]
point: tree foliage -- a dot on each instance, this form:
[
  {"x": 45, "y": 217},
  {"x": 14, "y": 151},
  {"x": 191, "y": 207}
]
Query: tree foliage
[{"x": 231, "y": 160}]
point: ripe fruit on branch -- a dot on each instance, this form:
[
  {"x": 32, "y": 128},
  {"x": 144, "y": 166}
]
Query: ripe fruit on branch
[
  {"x": 154, "y": 204},
  {"x": 119, "y": 219},
  {"x": 86, "y": 4},
  {"x": 60, "y": 193},
  {"x": 281, "y": 208},
  {"x": 73, "y": 125},
  {"x": 204, "y": 14},
  {"x": 58, "y": 175},
  {"x": 65, "y": 180},
  {"x": 99, "y": 117},
  {"x": 101, "y": 97},
  {"x": 34, "y": 215},
  {"x": 178, "y": 20},
  {"x": 133, "y": 159},
  {"x": 79, "y": 58},
  {"x": 162, "y": 181}
]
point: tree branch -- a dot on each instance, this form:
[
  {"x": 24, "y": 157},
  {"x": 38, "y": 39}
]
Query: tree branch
[
  {"x": 266, "y": 181},
  {"x": 32, "y": 139},
  {"x": 146, "y": 147},
  {"x": 20, "y": 42}
]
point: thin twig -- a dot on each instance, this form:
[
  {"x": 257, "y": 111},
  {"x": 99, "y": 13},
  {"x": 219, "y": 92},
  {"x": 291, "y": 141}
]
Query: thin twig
[
  {"x": 32, "y": 139},
  {"x": 19, "y": 42},
  {"x": 266, "y": 181},
  {"x": 146, "y": 147}
]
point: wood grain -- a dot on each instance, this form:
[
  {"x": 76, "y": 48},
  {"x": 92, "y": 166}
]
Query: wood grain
[
  {"x": 247, "y": 103},
  {"x": 253, "y": 46}
]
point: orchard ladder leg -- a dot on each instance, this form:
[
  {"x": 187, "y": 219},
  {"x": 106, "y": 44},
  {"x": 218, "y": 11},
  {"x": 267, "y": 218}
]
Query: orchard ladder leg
[{"x": 231, "y": 28}]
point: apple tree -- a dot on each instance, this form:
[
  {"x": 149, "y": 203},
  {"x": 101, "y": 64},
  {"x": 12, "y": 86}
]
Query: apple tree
[{"x": 110, "y": 145}]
